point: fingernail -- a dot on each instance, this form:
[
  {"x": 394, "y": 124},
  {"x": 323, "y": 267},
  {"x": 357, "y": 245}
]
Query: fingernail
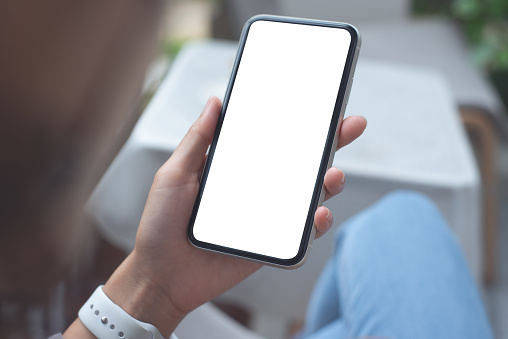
[
  {"x": 208, "y": 103},
  {"x": 364, "y": 118},
  {"x": 329, "y": 217},
  {"x": 343, "y": 180},
  {"x": 206, "y": 110}
]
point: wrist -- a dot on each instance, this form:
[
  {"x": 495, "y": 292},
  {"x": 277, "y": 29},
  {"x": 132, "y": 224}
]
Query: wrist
[{"x": 137, "y": 294}]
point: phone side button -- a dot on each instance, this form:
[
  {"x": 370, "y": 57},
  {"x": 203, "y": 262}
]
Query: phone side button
[{"x": 349, "y": 90}]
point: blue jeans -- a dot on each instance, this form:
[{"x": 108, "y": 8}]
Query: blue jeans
[{"x": 397, "y": 272}]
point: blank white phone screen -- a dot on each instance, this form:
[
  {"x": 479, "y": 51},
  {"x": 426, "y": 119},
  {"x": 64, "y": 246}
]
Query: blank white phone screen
[{"x": 263, "y": 173}]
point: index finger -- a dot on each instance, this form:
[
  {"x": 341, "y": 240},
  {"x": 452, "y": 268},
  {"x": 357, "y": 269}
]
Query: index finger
[{"x": 352, "y": 127}]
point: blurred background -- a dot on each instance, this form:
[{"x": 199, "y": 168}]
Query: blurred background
[{"x": 432, "y": 79}]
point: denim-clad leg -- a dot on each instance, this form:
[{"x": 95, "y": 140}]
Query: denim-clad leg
[{"x": 397, "y": 272}]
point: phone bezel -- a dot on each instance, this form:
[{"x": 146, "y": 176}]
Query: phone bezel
[{"x": 326, "y": 159}]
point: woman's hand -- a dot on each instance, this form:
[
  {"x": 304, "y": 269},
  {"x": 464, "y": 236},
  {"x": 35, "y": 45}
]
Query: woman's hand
[{"x": 165, "y": 277}]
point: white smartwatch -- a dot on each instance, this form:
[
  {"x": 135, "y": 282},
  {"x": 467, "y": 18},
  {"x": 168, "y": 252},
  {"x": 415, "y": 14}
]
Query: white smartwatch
[{"x": 106, "y": 320}]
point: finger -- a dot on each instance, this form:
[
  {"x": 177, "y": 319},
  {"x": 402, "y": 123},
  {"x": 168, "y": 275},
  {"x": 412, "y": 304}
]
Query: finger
[
  {"x": 190, "y": 153},
  {"x": 334, "y": 182},
  {"x": 352, "y": 127},
  {"x": 323, "y": 221}
]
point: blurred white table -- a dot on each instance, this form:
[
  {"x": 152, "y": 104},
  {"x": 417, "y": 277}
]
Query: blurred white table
[{"x": 414, "y": 140}]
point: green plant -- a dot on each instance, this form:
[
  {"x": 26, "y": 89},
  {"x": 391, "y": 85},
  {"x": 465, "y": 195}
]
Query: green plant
[{"x": 485, "y": 23}]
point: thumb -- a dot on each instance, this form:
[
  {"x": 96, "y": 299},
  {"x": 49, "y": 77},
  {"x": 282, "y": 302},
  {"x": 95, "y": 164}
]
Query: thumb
[{"x": 189, "y": 155}]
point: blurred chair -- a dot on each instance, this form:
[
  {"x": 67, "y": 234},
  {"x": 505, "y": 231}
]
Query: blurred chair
[
  {"x": 412, "y": 142},
  {"x": 389, "y": 33}
]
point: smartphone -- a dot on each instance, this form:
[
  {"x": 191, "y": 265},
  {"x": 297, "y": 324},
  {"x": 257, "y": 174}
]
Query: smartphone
[{"x": 275, "y": 139}]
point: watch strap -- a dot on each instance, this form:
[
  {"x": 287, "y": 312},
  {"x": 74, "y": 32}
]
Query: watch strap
[{"x": 106, "y": 320}]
